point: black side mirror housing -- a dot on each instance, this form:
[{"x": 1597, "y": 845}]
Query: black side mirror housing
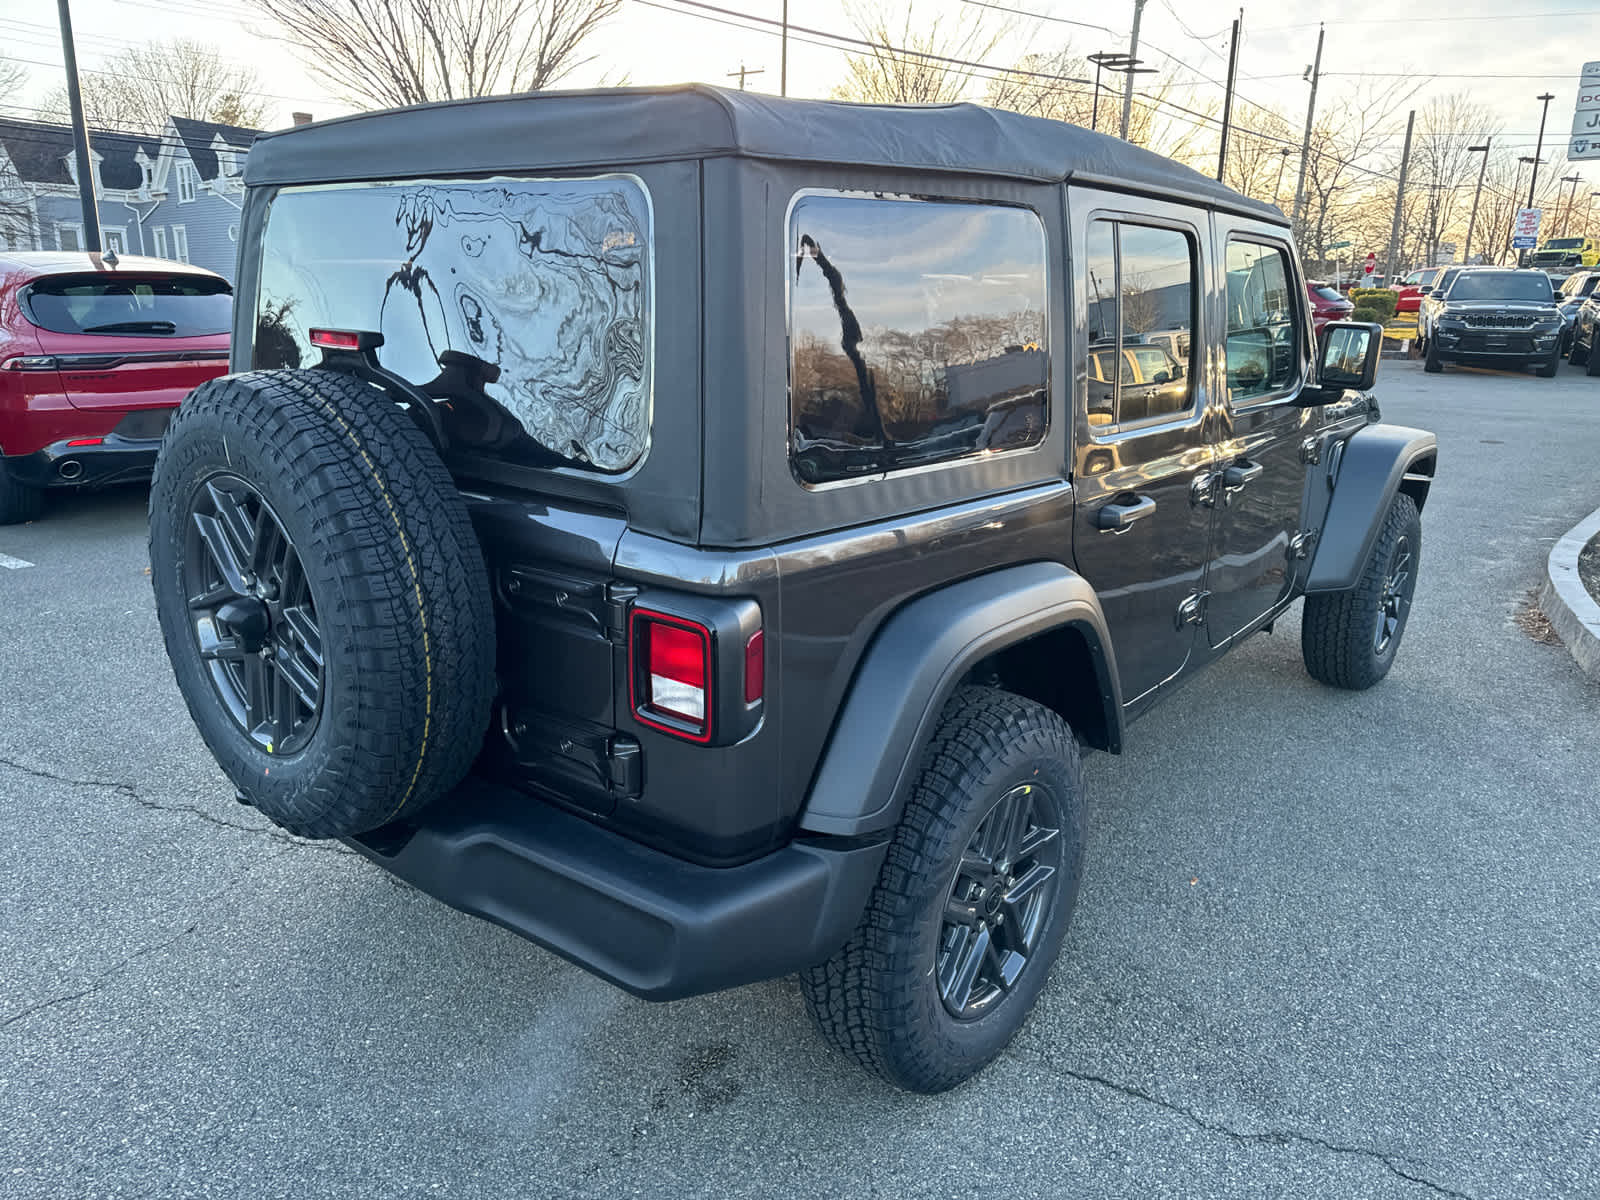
[{"x": 1347, "y": 359}]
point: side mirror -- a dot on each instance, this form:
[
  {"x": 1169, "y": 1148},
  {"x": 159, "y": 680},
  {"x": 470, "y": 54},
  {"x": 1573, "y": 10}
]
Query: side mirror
[
  {"x": 1349, "y": 352},
  {"x": 1161, "y": 377}
]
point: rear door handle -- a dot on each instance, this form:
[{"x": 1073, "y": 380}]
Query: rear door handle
[
  {"x": 1241, "y": 473},
  {"x": 1121, "y": 513}
]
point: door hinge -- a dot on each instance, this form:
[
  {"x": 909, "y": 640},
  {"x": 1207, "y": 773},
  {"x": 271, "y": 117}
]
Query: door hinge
[
  {"x": 1311, "y": 451},
  {"x": 1192, "y": 609},
  {"x": 1300, "y": 544},
  {"x": 619, "y": 599}
]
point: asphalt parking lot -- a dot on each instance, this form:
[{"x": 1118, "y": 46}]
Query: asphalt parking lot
[{"x": 1328, "y": 944}]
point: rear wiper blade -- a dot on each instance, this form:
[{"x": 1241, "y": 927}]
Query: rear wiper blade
[{"x": 133, "y": 327}]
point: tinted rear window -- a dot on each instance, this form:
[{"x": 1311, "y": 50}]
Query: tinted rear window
[
  {"x": 121, "y": 304},
  {"x": 1327, "y": 293},
  {"x": 1502, "y": 285},
  {"x": 523, "y": 304}
]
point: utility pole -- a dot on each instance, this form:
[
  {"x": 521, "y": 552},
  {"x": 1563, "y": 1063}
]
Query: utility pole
[
  {"x": 1400, "y": 195},
  {"x": 783, "y": 60},
  {"x": 1533, "y": 178},
  {"x": 80, "y": 134},
  {"x": 1572, "y": 198},
  {"x": 1305, "y": 144},
  {"x": 1133, "y": 56},
  {"x": 1227, "y": 96},
  {"x": 743, "y": 71},
  {"x": 1472, "y": 221}
]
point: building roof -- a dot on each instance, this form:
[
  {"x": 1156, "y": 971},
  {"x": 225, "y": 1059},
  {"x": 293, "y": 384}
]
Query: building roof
[
  {"x": 39, "y": 150},
  {"x": 555, "y": 130},
  {"x": 198, "y": 136}
]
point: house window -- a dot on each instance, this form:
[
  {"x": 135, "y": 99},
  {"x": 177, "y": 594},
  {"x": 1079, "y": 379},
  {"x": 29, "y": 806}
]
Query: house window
[
  {"x": 185, "y": 183},
  {"x": 149, "y": 175},
  {"x": 233, "y": 233},
  {"x": 114, "y": 240},
  {"x": 180, "y": 243},
  {"x": 69, "y": 237},
  {"x": 160, "y": 236}
]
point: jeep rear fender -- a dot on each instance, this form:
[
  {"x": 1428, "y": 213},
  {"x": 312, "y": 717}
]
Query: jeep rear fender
[
  {"x": 1375, "y": 463},
  {"x": 916, "y": 661}
]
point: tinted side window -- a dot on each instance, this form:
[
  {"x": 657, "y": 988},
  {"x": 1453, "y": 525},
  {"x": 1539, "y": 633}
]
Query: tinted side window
[
  {"x": 1140, "y": 295},
  {"x": 1263, "y": 349},
  {"x": 917, "y": 334}
]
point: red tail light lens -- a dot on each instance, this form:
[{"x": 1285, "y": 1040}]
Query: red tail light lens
[
  {"x": 669, "y": 667},
  {"x": 99, "y": 441}
]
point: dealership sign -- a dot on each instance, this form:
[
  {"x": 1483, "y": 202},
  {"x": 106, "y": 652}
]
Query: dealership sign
[{"x": 1585, "y": 141}]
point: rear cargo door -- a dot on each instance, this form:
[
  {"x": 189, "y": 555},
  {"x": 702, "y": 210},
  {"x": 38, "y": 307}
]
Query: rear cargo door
[{"x": 127, "y": 342}]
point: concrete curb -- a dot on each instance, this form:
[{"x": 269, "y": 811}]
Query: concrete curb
[{"x": 1567, "y": 603}]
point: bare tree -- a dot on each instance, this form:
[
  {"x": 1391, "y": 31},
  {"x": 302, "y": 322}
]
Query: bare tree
[
  {"x": 389, "y": 53},
  {"x": 1348, "y": 156},
  {"x": 139, "y": 89},
  {"x": 915, "y": 61}
]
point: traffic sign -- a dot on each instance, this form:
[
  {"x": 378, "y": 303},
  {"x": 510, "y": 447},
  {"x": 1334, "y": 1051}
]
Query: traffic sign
[
  {"x": 1585, "y": 141},
  {"x": 1369, "y": 268},
  {"x": 1337, "y": 245},
  {"x": 1525, "y": 229}
]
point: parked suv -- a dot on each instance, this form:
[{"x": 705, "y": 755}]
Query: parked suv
[
  {"x": 1574, "y": 290},
  {"x": 1495, "y": 316},
  {"x": 95, "y": 353},
  {"x": 684, "y": 527}
]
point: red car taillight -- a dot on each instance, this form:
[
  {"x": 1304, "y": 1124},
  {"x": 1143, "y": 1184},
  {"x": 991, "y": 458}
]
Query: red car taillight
[{"x": 669, "y": 674}]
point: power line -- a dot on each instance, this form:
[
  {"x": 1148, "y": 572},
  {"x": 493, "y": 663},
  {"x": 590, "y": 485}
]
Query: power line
[
  {"x": 1499, "y": 16},
  {"x": 38, "y": 62}
]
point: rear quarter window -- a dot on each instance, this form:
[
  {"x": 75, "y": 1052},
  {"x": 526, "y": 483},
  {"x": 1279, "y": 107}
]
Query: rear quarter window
[
  {"x": 97, "y": 304},
  {"x": 917, "y": 334},
  {"x": 524, "y": 304}
]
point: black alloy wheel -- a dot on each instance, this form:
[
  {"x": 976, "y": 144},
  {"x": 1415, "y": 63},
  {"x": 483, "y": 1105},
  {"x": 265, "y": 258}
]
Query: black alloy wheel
[
  {"x": 999, "y": 900},
  {"x": 1394, "y": 598},
  {"x": 253, "y": 615}
]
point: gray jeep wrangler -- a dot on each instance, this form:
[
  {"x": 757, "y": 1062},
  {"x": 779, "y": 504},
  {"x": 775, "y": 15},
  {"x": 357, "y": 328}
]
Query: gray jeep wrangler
[{"x": 699, "y": 531}]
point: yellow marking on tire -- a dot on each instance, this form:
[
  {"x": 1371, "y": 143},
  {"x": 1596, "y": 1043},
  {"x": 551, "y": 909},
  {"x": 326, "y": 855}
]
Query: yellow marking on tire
[{"x": 416, "y": 585}]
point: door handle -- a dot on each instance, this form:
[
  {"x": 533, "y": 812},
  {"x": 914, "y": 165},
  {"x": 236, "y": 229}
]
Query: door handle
[
  {"x": 1241, "y": 473},
  {"x": 1117, "y": 516}
]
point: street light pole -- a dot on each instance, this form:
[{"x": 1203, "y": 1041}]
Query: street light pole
[
  {"x": 1539, "y": 148},
  {"x": 783, "y": 54},
  {"x": 1283, "y": 161},
  {"x": 1466, "y": 254},
  {"x": 80, "y": 134},
  {"x": 1572, "y": 198},
  {"x": 1227, "y": 96}
]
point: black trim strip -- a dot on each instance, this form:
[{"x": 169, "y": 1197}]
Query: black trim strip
[{"x": 70, "y": 362}]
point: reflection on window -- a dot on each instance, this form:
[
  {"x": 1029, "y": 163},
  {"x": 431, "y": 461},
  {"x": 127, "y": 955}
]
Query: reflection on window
[
  {"x": 522, "y": 305},
  {"x": 917, "y": 334},
  {"x": 1262, "y": 352},
  {"x": 1140, "y": 295}
]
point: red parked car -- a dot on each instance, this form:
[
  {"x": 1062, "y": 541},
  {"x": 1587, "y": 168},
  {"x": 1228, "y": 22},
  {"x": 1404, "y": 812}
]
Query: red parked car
[
  {"x": 1327, "y": 304},
  {"x": 95, "y": 353},
  {"x": 1414, "y": 287}
]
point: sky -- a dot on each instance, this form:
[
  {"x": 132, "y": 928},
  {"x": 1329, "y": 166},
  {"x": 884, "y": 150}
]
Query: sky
[{"x": 1504, "y": 59}]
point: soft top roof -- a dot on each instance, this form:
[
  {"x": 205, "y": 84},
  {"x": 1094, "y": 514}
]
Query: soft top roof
[{"x": 585, "y": 129}]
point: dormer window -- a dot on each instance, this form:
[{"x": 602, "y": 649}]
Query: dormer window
[
  {"x": 149, "y": 175},
  {"x": 186, "y": 182}
]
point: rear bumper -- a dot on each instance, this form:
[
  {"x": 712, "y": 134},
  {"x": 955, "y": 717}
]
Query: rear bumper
[
  {"x": 655, "y": 925},
  {"x": 115, "y": 459}
]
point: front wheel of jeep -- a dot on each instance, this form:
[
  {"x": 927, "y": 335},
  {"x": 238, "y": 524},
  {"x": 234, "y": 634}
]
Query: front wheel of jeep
[
  {"x": 974, "y": 898},
  {"x": 1349, "y": 639}
]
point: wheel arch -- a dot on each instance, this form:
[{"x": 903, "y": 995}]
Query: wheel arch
[
  {"x": 1005, "y": 626},
  {"x": 1376, "y": 463}
]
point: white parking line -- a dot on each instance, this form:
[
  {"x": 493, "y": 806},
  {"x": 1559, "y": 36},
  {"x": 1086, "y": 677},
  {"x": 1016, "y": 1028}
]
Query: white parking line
[{"x": 13, "y": 564}]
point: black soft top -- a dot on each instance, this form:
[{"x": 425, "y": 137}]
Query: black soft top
[{"x": 588, "y": 129}]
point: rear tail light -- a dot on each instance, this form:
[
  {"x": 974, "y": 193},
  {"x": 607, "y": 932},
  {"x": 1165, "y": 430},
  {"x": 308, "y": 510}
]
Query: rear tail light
[
  {"x": 755, "y": 667},
  {"x": 29, "y": 362},
  {"x": 670, "y": 672},
  {"x": 346, "y": 339}
]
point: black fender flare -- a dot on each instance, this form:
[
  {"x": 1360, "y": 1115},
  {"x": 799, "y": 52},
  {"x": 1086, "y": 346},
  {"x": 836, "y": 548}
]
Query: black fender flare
[
  {"x": 1375, "y": 463},
  {"x": 915, "y": 663}
]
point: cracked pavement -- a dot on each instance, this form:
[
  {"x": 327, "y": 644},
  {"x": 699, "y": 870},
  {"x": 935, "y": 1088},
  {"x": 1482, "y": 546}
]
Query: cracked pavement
[{"x": 1326, "y": 945}]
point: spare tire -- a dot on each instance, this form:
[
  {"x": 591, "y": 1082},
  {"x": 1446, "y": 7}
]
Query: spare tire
[{"x": 323, "y": 599}]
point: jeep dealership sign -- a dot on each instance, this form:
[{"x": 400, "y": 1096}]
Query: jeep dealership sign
[{"x": 1585, "y": 141}]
